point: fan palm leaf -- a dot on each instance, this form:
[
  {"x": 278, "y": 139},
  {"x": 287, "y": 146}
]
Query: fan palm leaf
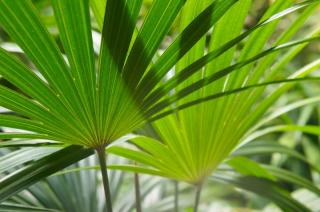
[
  {"x": 199, "y": 138},
  {"x": 71, "y": 102},
  {"x": 67, "y": 96},
  {"x": 191, "y": 143}
]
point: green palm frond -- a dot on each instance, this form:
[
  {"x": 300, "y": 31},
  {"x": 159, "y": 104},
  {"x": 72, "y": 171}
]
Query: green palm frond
[
  {"x": 194, "y": 141},
  {"x": 71, "y": 101},
  {"x": 66, "y": 94}
]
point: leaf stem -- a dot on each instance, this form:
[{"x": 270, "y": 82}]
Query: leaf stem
[
  {"x": 137, "y": 192},
  {"x": 197, "y": 197},
  {"x": 176, "y": 196},
  {"x": 103, "y": 167}
]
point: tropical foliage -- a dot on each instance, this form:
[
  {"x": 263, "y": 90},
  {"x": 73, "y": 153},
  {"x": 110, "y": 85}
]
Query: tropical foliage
[{"x": 187, "y": 91}]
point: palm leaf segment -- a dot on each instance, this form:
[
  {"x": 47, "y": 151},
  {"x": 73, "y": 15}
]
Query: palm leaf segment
[{"x": 75, "y": 99}]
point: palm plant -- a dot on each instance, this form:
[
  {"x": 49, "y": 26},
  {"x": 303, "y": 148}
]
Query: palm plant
[
  {"x": 70, "y": 101},
  {"x": 193, "y": 142},
  {"x": 65, "y": 97}
]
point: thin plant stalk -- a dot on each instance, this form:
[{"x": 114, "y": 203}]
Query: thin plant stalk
[
  {"x": 176, "y": 196},
  {"x": 197, "y": 197},
  {"x": 137, "y": 192},
  {"x": 104, "y": 172}
]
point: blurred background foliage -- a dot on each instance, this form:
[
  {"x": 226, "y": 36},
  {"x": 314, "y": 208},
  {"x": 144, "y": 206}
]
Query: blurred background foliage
[{"x": 157, "y": 193}]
